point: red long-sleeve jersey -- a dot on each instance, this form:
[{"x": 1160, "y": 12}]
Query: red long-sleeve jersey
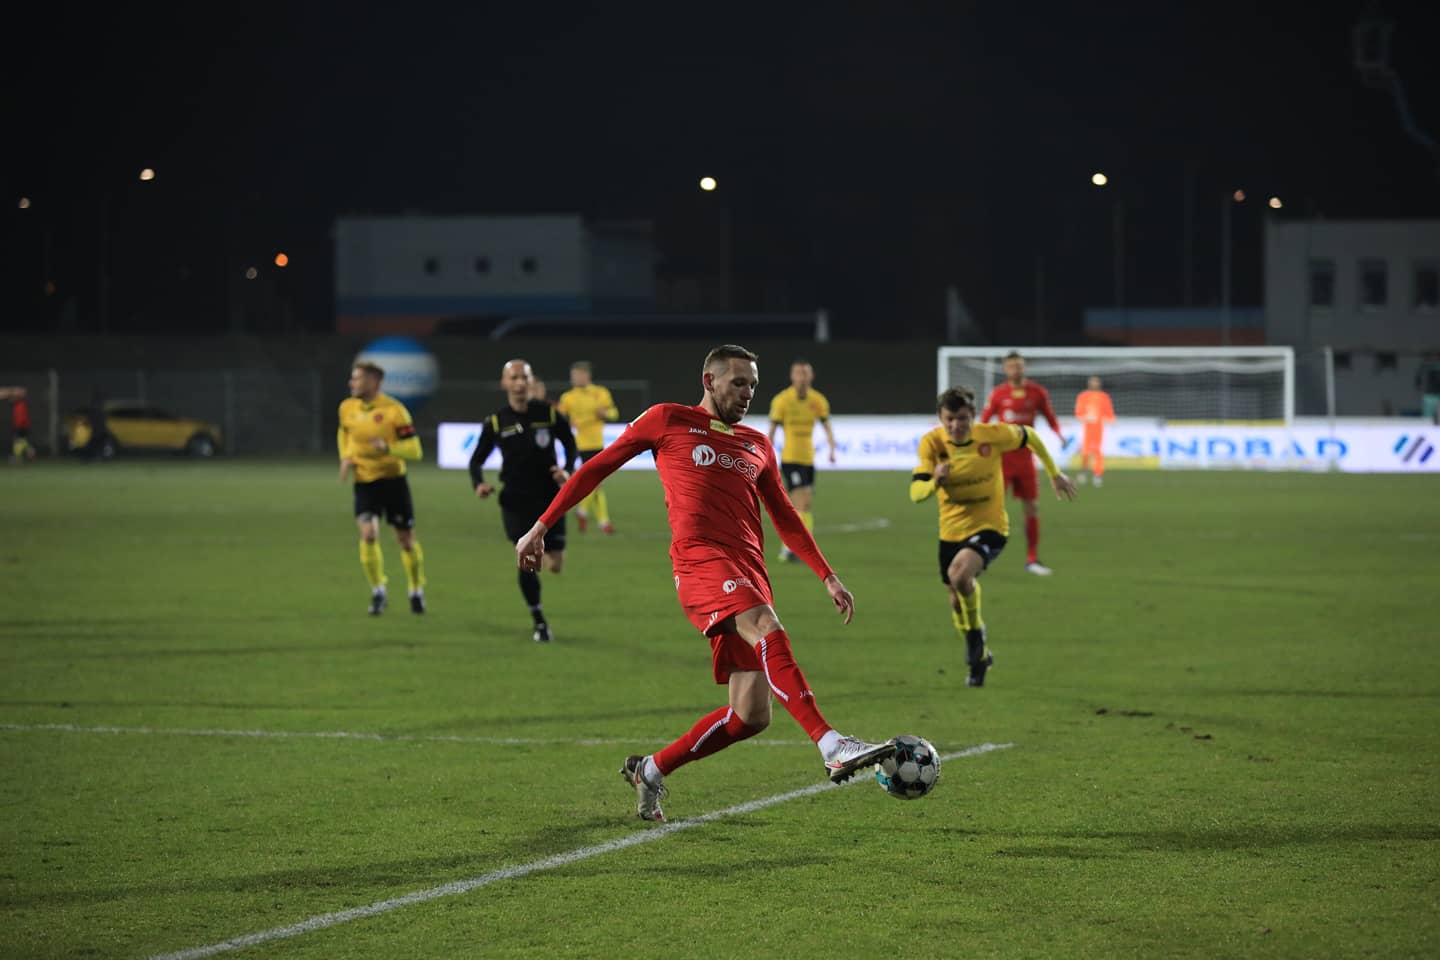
[
  {"x": 1020, "y": 405},
  {"x": 715, "y": 476}
]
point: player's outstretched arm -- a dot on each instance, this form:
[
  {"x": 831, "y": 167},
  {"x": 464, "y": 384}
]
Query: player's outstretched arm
[
  {"x": 793, "y": 532},
  {"x": 1063, "y": 486}
]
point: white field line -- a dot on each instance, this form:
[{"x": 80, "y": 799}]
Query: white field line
[
  {"x": 382, "y": 737},
  {"x": 321, "y": 921}
]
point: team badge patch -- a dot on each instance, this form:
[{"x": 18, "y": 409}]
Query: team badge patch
[
  {"x": 983, "y": 450},
  {"x": 379, "y": 418},
  {"x": 542, "y": 437}
]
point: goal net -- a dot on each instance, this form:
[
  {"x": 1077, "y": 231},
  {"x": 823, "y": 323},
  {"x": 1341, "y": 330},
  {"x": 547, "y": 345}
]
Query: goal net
[{"x": 1210, "y": 384}]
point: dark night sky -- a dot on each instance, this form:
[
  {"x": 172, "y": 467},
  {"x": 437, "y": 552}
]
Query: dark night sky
[{"x": 870, "y": 157}]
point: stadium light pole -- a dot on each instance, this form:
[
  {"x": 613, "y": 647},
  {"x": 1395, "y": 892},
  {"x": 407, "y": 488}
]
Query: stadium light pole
[
  {"x": 146, "y": 175},
  {"x": 709, "y": 185},
  {"x": 1117, "y": 232}
]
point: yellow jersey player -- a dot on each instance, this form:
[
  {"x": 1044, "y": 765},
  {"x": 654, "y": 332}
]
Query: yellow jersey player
[
  {"x": 588, "y": 406},
  {"x": 375, "y": 438},
  {"x": 960, "y": 465},
  {"x": 797, "y": 409}
]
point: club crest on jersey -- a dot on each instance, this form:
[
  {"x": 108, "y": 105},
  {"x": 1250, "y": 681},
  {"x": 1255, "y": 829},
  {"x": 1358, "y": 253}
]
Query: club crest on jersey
[
  {"x": 983, "y": 449},
  {"x": 722, "y": 427},
  {"x": 542, "y": 437},
  {"x": 749, "y": 446},
  {"x": 379, "y": 418}
]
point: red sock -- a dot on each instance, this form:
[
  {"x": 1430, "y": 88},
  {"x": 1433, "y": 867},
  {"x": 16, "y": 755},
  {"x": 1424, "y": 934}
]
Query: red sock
[
  {"x": 712, "y": 733},
  {"x": 789, "y": 684},
  {"x": 1032, "y": 539}
]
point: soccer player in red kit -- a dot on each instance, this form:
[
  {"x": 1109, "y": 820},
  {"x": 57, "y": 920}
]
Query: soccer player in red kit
[
  {"x": 1018, "y": 401},
  {"x": 715, "y": 474},
  {"x": 20, "y": 448}
]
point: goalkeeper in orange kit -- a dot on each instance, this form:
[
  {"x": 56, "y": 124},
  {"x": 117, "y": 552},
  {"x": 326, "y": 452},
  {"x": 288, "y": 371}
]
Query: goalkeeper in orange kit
[{"x": 1093, "y": 409}]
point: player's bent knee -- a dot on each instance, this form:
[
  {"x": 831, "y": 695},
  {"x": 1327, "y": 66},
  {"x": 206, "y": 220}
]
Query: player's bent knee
[{"x": 757, "y": 717}]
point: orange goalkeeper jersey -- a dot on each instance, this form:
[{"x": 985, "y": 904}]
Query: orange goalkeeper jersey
[{"x": 1094, "y": 410}]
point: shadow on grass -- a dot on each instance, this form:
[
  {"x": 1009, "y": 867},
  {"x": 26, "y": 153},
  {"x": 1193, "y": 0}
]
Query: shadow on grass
[
  {"x": 370, "y": 881},
  {"x": 1108, "y": 843}
]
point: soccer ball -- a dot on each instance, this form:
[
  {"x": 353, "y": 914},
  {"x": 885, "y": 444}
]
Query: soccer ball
[{"x": 912, "y": 772}]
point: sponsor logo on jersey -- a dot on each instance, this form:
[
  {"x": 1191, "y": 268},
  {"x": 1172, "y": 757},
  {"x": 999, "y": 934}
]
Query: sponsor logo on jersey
[
  {"x": 729, "y": 585},
  {"x": 704, "y": 455}
]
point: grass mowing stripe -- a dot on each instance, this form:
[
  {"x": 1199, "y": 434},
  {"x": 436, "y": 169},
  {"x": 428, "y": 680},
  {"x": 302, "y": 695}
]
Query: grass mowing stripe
[
  {"x": 355, "y": 735},
  {"x": 325, "y": 920}
]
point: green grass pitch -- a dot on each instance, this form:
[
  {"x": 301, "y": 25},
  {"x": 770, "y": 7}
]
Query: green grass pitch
[{"x": 1224, "y": 710}]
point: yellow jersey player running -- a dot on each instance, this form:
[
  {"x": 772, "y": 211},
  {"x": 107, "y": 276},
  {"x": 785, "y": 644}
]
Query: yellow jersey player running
[
  {"x": 376, "y": 437},
  {"x": 588, "y": 406},
  {"x": 960, "y": 466},
  {"x": 797, "y": 409}
]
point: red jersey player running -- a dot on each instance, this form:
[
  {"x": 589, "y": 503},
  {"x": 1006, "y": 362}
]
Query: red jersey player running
[
  {"x": 1017, "y": 401},
  {"x": 715, "y": 473}
]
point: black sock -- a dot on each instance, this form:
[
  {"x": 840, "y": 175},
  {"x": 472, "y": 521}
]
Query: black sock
[{"x": 530, "y": 587}]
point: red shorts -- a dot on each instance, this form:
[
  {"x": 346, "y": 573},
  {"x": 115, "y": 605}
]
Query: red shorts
[
  {"x": 712, "y": 591},
  {"x": 1018, "y": 468}
]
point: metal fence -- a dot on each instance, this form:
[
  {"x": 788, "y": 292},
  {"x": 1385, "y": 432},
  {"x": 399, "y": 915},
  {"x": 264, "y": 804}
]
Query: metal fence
[{"x": 259, "y": 411}]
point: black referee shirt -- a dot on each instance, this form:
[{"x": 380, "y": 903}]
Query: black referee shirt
[{"x": 527, "y": 447}]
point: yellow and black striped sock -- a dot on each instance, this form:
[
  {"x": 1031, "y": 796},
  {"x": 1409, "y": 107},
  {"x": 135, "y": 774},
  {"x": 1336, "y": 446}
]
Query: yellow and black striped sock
[
  {"x": 602, "y": 506},
  {"x": 372, "y": 561},
  {"x": 414, "y": 560},
  {"x": 808, "y": 518},
  {"x": 972, "y": 609}
]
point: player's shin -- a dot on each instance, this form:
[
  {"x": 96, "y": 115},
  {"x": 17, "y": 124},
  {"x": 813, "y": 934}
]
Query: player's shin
[
  {"x": 712, "y": 733},
  {"x": 970, "y": 613},
  {"x": 414, "y": 560},
  {"x": 530, "y": 589},
  {"x": 788, "y": 684},
  {"x": 372, "y": 561}
]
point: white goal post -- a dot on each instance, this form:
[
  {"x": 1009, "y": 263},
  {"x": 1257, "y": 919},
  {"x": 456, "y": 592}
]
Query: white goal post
[{"x": 1208, "y": 384}]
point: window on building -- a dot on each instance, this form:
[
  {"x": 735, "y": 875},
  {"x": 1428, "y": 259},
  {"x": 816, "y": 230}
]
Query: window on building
[
  {"x": 1386, "y": 360},
  {"x": 1322, "y": 283},
  {"x": 529, "y": 265},
  {"x": 1342, "y": 361},
  {"x": 1374, "y": 285},
  {"x": 432, "y": 265},
  {"x": 1427, "y": 286},
  {"x": 482, "y": 264}
]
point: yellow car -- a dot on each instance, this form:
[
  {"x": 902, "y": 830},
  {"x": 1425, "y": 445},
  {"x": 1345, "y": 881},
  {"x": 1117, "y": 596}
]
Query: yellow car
[{"x": 132, "y": 426}]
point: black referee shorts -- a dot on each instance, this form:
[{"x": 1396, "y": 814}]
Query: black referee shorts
[
  {"x": 987, "y": 543},
  {"x": 519, "y": 522},
  {"x": 387, "y": 499}
]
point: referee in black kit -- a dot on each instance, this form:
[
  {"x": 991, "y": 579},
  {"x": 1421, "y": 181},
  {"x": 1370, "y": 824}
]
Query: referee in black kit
[{"x": 526, "y": 431}]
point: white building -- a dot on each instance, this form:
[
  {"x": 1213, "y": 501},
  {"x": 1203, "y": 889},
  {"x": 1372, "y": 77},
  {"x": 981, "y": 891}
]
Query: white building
[
  {"x": 1367, "y": 289},
  {"x": 409, "y": 274}
]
